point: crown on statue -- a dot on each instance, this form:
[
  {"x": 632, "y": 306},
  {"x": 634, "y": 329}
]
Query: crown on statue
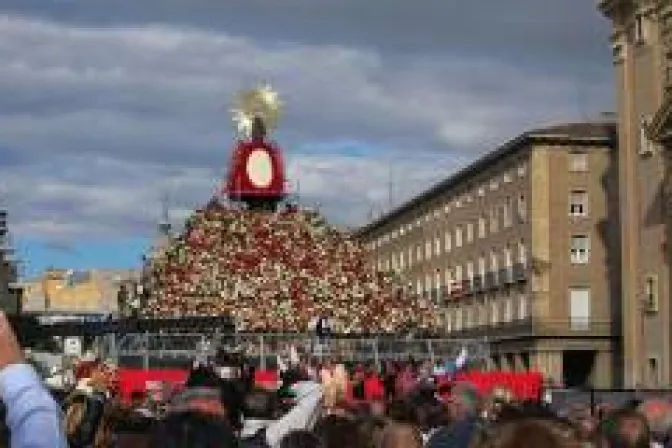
[{"x": 256, "y": 112}]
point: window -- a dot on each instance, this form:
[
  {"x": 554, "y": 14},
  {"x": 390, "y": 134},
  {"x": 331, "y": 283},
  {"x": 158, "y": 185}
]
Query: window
[
  {"x": 617, "y": 52},
  {"x": 578, "y": 203},
  {"x": 449, "y": 280},
  {"x": 481, "y": 227},
  {"x": 481, "y": 266},
  {"x": 402, "y": 261},
  {"x": 580, "y": 249},
  {"x": 522, "y": 307},
  {"x": 428, "y": 249},
  {"x": 494, "y": 267},
  {"x": 458, "y": 273},
  {"x": 481, "y": 192},
  {"x": 645, "y": 144},
  {"x": 506, "y": 213},
  {"x": 458, "y": 236},
  {"x": 508, "y": 310},
  {"x": 494, "y": 313},
  {"x": 508, "y": 259},
  {"x": 654, "y": 372},
  {"x": 449, "y": 242},
  {"x": 458, "y": 319},
  {"x": 578, "y": 162},
  {"x": 395, "y": 264},
  {"x": 522, "y": 253},
  {"x": 651, "y": 294},
  {"x": 494, "y": 221},
  {"x": 579, "y": 308},
  {"x": 418, "y": 287},
  {"x": 507, "y": 178},
  {"x": 470, "y": 232},
  {"x": 521, "y": 209},
  {"x": 469, "y": 321},
  {"x": 418, "y": 253},
  {"x": 639, "y": 29},
  {"x": 470, "y": 272},
  {"x": 494, "y": 185},
  {"x": 410, "y": 256},
  {"x": 522, "y": 170},
  {"x": 437, "y": 245}
]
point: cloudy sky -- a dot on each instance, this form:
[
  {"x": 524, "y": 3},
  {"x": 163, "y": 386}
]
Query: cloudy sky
[{"x": 107, "y": 106}]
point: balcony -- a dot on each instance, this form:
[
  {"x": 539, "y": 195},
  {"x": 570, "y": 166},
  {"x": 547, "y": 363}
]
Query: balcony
[
  {"x": 477, "y": 284},
  {"x": 506, "y": 276},
  {"x": 491, "y": 281},
  {"x": 520, "y": 272},
  {"x": 535, "y": 328},
  {"x": 460, "y": 289}
]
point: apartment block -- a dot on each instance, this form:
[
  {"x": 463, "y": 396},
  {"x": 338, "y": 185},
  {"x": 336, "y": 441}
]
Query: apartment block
[{"x": 520, "y": 249}]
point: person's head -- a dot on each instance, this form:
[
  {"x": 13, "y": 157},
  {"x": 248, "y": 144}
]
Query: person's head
[
  {"x": 658, "y": 414},
  {"x": 530, "y": 433},
  {"x": 138, "y": 398},
  {"x": 624, "y": 428},
  {"x": 193, "y": 430},
  {"x": 401, "y": 435},
  {"x": 337, "y": 432},
  {"x": 463, "y": 402},
  {"x": 261, "y": 404},
  {"x": 370, "y": 431},
  {"x": 300, "y": 439},
  {"x": 85, "y": 419}
]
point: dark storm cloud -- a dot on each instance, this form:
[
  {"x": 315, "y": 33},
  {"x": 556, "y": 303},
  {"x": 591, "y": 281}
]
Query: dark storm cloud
[
  {"x": 545, "y": 30},
  {"x": 106, "y": 106}
]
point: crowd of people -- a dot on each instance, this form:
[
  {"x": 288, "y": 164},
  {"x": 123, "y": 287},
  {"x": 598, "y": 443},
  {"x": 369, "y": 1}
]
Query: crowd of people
[
  {"x": 332, "y": 406},
  {"x": 277, "y": 271},
  {"x": 312, "y": 405}
]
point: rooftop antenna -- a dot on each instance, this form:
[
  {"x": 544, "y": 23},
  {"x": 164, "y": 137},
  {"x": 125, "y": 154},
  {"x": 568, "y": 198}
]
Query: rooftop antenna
[
  {"x": 164, "y": 222},
  {"x": 390, "y": 187},
  {"x": 581, "y": 93}
]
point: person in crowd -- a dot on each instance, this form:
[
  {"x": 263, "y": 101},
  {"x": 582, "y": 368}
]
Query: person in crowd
[
  {"x": 337, "y": 431},
  {"x": 33, "y": 418},
  {"x": 463, "y": 412},
  {"x": 193, "y": 429},
  {"x": 624, "y": 428},
  {"x": 401, "y": 435},
  {"x": 530, "y": 433},
  {"x": 301, "y": 439},
  {"x": 263, "y": 419}
]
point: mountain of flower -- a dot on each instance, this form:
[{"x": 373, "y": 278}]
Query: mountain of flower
[{"x": 277, "y": 271}]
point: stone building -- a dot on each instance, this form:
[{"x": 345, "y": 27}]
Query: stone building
[
  {"x": 10, "y": 288},
  {"x": 521, "y": 250},
  {"x": 642, "y": 45}
]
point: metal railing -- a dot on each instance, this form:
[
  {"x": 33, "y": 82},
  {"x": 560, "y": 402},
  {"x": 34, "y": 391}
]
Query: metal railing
[
  {"x": 562, "y": 400},
  {"x": 165, "y": 349},
  {"x": 540, "y": 328}
]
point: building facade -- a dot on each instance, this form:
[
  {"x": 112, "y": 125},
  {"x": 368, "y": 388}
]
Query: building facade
[
  {"x": 10, "y": 288},
  {"x": 67, "y": 291},
  {"x": 520, "y": 249},
  {"x": 641, "y": 45}
]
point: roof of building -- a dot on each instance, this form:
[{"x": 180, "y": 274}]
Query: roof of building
[{"x": 586, "y": 133}]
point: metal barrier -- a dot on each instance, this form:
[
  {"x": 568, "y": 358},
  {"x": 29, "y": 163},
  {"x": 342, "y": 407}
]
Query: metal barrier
[
  {"x": 562, "y": 400},
  {"x": 168, "y": 349}
]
